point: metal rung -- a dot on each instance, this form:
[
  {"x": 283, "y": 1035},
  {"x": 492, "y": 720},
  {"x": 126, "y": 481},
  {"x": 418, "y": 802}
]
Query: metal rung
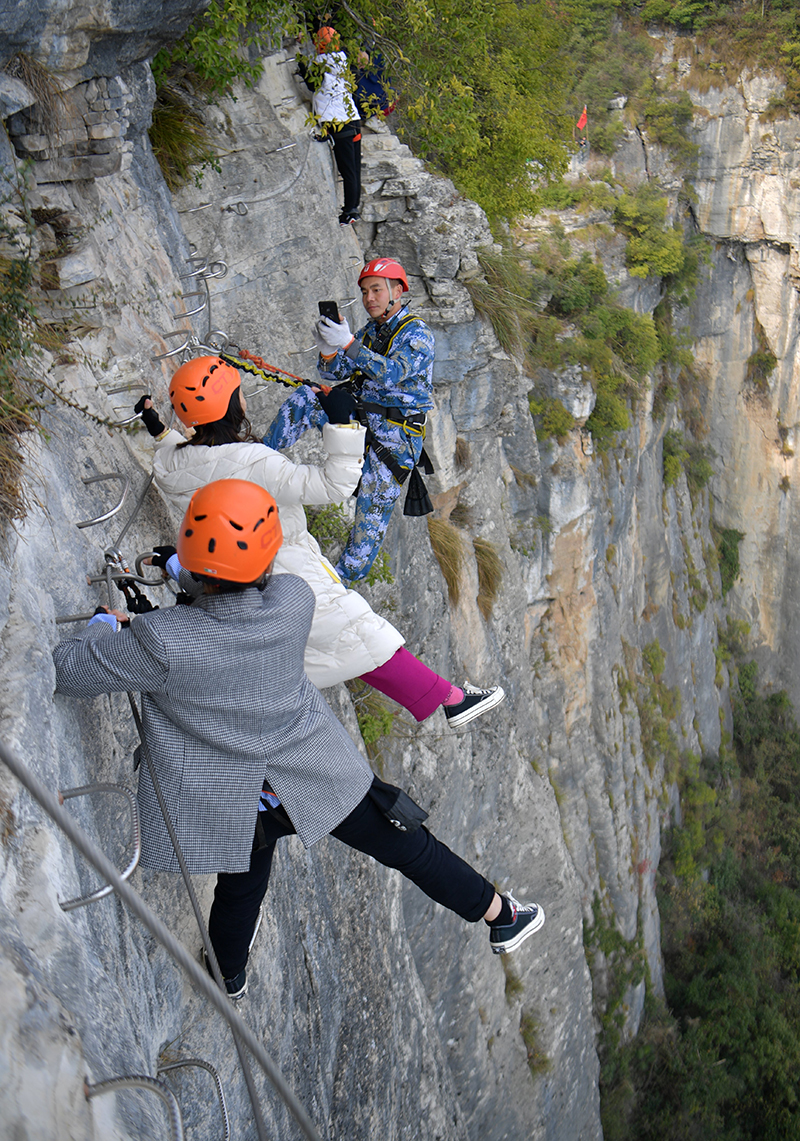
[
  {"x": 187, "y": 333},
  {"x": 172, "y": 352},
  {"x": 136, "y": 840},
  {"x": 73, "y": 618},
  {"x": 128, "y": 420},
  {"x": 300, "y": 352},
  {"x": 160, "y": 581},
  {"x": 117, "y": 575},
  {"x": 123, "y": 479},
  {"x": 142, "y": 1081},
  {"x": 216, "y": 269},
  {"x": 217, "y": 1082},
  {"x": 215, "y": 341},
  {"x": 192, "y": 312},
  {"x": 129, "y": 387}
]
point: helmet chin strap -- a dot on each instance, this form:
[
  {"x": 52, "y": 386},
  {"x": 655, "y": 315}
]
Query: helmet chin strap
[{"x": 392, "y": 301}]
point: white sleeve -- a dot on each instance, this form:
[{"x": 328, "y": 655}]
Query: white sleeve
[{"x": 291, "y": 483}]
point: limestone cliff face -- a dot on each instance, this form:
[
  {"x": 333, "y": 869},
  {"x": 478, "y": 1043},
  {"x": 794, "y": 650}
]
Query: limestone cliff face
[{"x": 389, "y": 1017}]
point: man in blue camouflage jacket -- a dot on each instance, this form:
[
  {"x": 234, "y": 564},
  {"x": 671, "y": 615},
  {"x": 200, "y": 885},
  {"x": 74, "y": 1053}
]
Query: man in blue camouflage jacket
[{"x": 390, "y": 364}]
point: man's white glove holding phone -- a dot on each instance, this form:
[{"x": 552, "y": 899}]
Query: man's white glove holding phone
[{"x": 331, "y": 333}]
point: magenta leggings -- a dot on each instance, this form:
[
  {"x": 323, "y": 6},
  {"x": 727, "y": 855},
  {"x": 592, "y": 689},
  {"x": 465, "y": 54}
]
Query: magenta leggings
[{"x": 409, "y": 682}]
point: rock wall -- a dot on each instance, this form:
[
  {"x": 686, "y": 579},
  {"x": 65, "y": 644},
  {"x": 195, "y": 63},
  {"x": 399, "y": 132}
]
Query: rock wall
[{"x": 387, "y": 1015}]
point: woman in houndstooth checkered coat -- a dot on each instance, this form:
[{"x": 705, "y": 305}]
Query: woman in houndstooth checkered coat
[{"x": 228, "y": 712}]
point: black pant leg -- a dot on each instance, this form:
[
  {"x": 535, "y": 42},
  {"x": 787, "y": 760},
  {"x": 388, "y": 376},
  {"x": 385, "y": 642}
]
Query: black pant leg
[
  {"x": 344, "y": 152},
  {"x": 357, "y": 164},
  {"x": 237, "y": 899},
  {"x": 420, "y": 857}
]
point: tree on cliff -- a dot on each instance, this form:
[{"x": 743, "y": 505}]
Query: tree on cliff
[{"x": 481, "y": 86}]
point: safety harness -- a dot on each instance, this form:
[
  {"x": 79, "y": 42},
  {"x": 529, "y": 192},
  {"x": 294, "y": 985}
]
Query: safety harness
[{"x": 412, "y": 423}]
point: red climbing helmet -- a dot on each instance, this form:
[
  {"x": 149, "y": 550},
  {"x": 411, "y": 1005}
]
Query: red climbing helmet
[
  {"x": 200, "y": 390},
  {"x": 385, "y": 267},
  {"x": 231, "y": 530}
]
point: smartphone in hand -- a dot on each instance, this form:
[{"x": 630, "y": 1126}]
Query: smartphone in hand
[{"x": 330, "y": 309}]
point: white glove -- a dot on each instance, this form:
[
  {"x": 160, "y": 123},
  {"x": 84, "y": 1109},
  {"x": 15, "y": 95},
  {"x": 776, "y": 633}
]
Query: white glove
[
  {"x": 332, "y": 335},
  {"x": 322, "y": 345}
]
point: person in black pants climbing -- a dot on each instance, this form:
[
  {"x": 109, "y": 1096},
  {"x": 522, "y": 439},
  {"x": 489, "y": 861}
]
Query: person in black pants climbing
[
  {"x": 328, "y": 77},
  {"x": 230, "y": 717}
]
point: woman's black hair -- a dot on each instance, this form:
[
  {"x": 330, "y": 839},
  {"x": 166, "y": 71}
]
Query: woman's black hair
[
  {"x": 226, "y": 586},
  {"x": 233, "y": 428}
]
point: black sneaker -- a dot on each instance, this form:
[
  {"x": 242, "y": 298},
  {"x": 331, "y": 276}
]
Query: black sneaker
[
  {"x": 476, "y": 701},
  {"x": 237, "y": 986},
  {"x": 527, "y": 918}
]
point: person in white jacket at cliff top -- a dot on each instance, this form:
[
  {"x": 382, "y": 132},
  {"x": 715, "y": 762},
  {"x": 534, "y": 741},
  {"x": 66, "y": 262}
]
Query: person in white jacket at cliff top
[
  {"x": 329, "y": 77},
  {"x": 348, "y": 639}
]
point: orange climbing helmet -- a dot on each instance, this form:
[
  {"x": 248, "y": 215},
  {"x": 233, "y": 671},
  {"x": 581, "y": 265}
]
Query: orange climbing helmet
[
  {"x": 385, "y": 267},
  {"x": 326, "y": 39},
  {"x": 200, "y": 391},
  {"x": 231, "y": 530}
]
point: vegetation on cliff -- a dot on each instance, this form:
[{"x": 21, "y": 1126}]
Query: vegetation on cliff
[
  {"x": 481, "y": 87},
  {"x": 719, "y": 1057}
]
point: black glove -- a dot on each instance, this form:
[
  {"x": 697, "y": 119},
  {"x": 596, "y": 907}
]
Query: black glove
[
  {"x": 338, "y": 405},
  {"x": 162, "y": 555},
  {"x": 149, "y": 417}
]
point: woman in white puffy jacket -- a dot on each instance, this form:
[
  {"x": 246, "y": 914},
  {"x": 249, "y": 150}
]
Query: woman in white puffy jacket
[{"x": 348, "y": 639}]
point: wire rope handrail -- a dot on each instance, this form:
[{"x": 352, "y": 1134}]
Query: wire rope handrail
[
  {"x": 142, "y": 1081},
  {"x": 220, "y": 1092},
  {"x": 135, "y": 841},
  {"x": 158, "y": 929}
]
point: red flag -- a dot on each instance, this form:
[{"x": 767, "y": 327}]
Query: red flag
[{"x": 584, "y": 119}]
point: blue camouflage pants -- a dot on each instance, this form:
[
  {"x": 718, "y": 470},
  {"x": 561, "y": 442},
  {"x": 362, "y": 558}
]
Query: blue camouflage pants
[{"x": 378, "y": 490}]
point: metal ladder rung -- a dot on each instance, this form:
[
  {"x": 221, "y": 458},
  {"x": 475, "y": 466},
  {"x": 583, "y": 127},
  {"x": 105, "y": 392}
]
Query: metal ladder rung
[
  {"x": 123, "y": 479},
  {"x": 136, "y": 840},
  {"x": 220, "y": 1092},
  {"x": 142, "y": 1081}
]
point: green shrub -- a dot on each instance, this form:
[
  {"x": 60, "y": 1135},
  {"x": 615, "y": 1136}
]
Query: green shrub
[
  {"x": 610, "y": 412},
  {"x": 329, "y": 525},
  {"x": 728, "y": 540},
  {"x": 215, "y": 47},
  {"x": 633, "y": 338},
  {"x": 699, "y": 469},
  {"x": 655, "y": 659},
  {"x": 580, "y": 286},
  {"x": 668, "y": 116},
  {"x": 530, "y": 1029},
  {"x": 761, "y": 363},
  {"x": 552, "y": 418},
  {"x": 652, "y": 250}
]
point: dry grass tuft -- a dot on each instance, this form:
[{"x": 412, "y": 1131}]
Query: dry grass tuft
[
  {"x": 462, "y": 455},
  {"x": 490, "y": 575},
  {"x": 179, "y": 135},
  {"x": 448, "y": 547},
  {"x": 50, "y": 102}
]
